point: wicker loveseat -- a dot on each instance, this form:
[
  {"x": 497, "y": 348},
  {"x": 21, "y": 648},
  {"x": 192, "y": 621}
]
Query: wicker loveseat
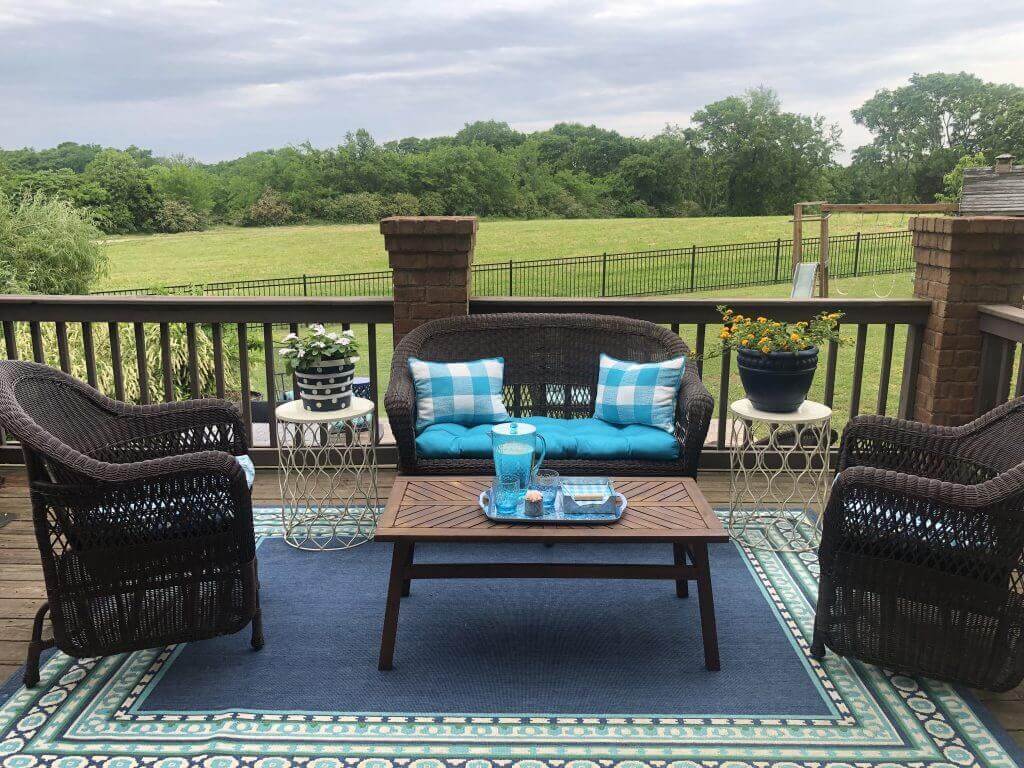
[
  {"x": 551, "y": 370},
  {"x": 922, "y": 554},
  {"x": 142, "y": 515}
]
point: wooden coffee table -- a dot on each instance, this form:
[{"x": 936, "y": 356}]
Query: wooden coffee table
[{"x": 667, "y": 510}]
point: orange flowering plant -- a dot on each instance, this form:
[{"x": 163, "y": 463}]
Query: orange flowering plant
[{"x": 766, "y": 335}]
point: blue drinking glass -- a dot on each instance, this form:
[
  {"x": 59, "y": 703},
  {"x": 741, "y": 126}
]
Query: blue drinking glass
[
  {"x": 506, "y": 494},
  {"x": 546, "y": 481}
]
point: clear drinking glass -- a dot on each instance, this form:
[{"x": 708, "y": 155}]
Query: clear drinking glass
[
  {"x": 507, "y": 493},
  {"x": 546, "y": 481}
]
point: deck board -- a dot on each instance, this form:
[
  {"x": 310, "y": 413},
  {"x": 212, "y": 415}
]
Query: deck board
[{"x": 21, "y": 577}]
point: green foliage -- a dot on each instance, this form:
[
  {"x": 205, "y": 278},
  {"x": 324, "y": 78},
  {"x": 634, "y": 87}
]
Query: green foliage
[
  {"x": 953, "y": 182},
  {"x": 921, "y": 130},
  {"x": 185, "y": 181},
  {"x": 741, "y": 155},
  {"x": 354, "y": 208},
  {"x": 178, "y": 216},
  {"x": 270, "y": 210},
  {"x": 47, "y": 246},
  {"x": 432, "y": 204},
  {"x": 400, "y": 204},
  {"x": 126, "y": 201},
  {"x": 179, "y": 358}
]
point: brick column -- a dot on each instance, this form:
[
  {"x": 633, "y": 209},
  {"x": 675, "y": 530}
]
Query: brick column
[
  {"x": 960, "y": 263},
  {"x": 431, "y": 257}
]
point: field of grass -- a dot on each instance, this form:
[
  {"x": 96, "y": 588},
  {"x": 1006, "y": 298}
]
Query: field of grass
[{"x": 233, "y": 253}]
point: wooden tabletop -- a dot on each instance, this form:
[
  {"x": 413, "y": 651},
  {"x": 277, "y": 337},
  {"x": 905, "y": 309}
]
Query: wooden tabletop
[{"x": 438, "y": 508}]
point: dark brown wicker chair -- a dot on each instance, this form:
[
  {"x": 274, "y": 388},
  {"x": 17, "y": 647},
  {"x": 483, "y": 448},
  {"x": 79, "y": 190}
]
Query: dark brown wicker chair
[
  {"x": 142, "y": 515},
  {"x": 551, "y": 367},
  {"x": 921, "y": 555}
]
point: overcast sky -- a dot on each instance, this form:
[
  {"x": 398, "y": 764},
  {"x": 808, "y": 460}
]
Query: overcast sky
[{"x": 217, "y": 79}]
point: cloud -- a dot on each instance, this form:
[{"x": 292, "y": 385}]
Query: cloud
[{"x": 216, "y": 78}]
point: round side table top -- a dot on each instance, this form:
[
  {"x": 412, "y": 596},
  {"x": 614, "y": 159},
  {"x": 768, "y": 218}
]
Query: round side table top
[
  {"x": 294, "y": 412},
  {"x": 808, "y": 413}
]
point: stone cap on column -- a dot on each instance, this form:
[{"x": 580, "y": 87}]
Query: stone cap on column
[
  {"x": 428, "y": 225},
  {"x": 973, "y": 225}
]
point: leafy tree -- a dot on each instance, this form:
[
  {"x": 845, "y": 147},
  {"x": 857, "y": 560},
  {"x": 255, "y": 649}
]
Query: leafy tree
[
  {"x": 920, "y": 130},
  {"x": 768, "y": 158},
  {"x": 184, "y": 180},
  {"x": 131, "y": 202},
  {"x": 47, "y": 246}
]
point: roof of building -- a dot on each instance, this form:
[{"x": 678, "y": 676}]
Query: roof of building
[{"x": 991, "y": 192}]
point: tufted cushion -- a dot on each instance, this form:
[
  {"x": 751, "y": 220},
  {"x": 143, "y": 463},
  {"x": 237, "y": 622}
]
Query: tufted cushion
[
  {"x": 245, "y": 462},
  {"x": 565, "y": 438}
]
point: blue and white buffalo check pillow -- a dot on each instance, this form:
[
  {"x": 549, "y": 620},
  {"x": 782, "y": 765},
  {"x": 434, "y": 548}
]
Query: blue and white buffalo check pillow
[
  {"x": 458, "y": 393},
  {"x": 638, "y": 393}
]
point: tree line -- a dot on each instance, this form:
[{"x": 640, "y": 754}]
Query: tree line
[{"x": 740, "y": 156}]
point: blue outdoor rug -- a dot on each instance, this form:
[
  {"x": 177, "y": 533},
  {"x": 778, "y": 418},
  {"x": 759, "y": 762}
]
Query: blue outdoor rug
[{"x": 499, "y": 673}]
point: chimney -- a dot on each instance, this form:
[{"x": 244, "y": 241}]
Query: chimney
[{"x": 1004, "y": 163}]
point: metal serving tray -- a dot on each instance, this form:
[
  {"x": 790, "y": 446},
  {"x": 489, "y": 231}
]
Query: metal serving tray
[{"x": 608, "y": 514}]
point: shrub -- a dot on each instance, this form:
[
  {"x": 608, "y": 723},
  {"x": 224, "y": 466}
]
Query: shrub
[
  {"x": 432, "y": 204},
  {"x": 270, "y": 210},
  {"x": 178, "y": 216},
  {"x": 355, "y": 208},
  {"x": 400, "y": 204},
  {"x": 48, "y": 246},
  {"x": 637, "y": 209}
]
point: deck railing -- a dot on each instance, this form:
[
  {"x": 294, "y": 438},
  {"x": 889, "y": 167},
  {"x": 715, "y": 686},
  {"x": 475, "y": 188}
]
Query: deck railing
[
  {"x": 1002, "y": 355},
  {"x": 175, "y": 347}
]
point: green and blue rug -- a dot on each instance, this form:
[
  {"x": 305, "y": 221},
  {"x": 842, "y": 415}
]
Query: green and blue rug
[{"x": 490, "y": 673}]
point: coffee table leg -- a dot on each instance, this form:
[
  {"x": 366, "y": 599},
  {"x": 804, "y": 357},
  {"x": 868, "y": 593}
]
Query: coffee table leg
[
  {"x": 399, "y": 558},
  {"x": 707, "y": 606},
  {"x": 407, "y": 583},
  {"x": 679, "y": 558}
]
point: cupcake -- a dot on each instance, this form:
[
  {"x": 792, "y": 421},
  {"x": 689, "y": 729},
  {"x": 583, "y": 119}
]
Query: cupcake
[{"x": 534, "y": 503}]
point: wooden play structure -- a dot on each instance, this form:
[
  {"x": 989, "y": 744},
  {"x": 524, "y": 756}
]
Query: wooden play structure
[{"x": 825, "y": 209}]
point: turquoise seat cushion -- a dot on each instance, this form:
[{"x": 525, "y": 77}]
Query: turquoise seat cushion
[{"x": 588, "y": 439}]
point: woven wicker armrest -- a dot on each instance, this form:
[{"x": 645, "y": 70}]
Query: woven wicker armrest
[
  {"x": 400, "y": 404},
  {"x": 172, "y": 498},
  {"x": 167, "y": 429},
  {"x": 907, "y": 446},
  {"x": 693, "y": 415}
]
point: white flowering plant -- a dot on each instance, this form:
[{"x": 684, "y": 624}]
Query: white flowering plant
[{"x": 301, "y": 353}]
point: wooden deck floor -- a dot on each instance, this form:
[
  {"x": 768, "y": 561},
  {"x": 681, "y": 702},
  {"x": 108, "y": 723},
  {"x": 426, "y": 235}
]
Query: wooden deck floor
[{"x": 21, "y": 578}]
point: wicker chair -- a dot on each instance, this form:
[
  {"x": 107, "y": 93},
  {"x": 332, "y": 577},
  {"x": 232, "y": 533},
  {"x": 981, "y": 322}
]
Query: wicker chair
[
  {"x": 551, "y": 367},
  {"x": 921, "y": 554},
  {"x": 142, "y": 516}
]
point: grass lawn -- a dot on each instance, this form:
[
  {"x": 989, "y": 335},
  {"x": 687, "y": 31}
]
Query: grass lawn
[{"x": 233, "y": 253}]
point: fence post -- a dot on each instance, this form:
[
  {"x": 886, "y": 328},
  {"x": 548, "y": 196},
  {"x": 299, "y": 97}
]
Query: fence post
[
  {"x": 778, "y": 254},
  {"x": 604, "y": 273},
  {"x": 693, "y": 266},
  {"x": 856, "y": 255},
  {"x": 510, "y": 277},
  {"x": 305, "y": 285}
]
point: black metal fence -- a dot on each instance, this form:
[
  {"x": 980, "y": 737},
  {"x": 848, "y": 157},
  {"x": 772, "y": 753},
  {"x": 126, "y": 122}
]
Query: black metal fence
[{"x": 667, "y": 271}]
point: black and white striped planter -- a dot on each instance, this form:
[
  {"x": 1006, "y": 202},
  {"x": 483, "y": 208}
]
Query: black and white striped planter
[{"x": 327, "y": 386}]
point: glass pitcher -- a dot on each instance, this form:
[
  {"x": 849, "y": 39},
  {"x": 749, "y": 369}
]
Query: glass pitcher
[{"x": 515, "y": 446}]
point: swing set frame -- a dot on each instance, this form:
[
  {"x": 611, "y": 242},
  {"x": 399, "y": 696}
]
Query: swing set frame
[{"x": 826, "y": 209}]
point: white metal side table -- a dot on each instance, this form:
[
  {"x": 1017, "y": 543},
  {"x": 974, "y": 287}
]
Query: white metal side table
[
  {"x": 779, "y": 478},
  {"x": 328, "y": 476}
]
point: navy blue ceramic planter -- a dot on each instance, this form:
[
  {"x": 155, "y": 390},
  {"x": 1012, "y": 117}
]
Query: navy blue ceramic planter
[{"x": 779, "y": 381}]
